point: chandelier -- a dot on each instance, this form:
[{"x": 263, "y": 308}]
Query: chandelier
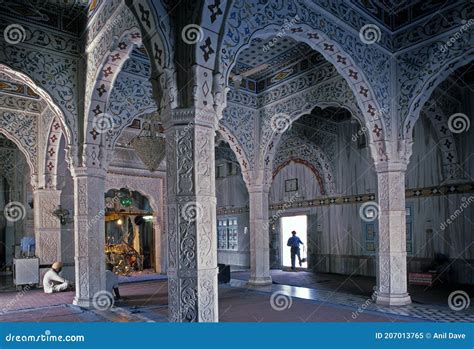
[{"x": 150, "y": 143}]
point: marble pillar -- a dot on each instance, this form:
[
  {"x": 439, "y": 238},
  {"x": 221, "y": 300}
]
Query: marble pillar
[
  {"x": 391, "y": 253},
  {"x": 259, "y": 236},
  {"x": 191, "y": 216},
  {"x": 47, "y": 226},
  {"x": 89, "y": 234}
]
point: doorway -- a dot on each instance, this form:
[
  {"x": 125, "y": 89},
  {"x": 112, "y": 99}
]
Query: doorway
[{"x": 300, "y": 225}]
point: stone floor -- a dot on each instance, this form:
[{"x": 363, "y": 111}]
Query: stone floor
[{"x": 147, "y": 301}]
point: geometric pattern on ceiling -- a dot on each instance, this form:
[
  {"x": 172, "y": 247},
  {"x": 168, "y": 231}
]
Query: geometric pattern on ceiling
[
  {"x": 395, "y": 14},
  {"x": 63, "y": 15},
  {"x": 283, "y": 53}
]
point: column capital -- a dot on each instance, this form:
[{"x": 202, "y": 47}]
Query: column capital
[
  {"x": 186, "y": 116},
  {"x": 391, "y": 166},
  {"x": 88, "y": 172},
  {"x": 259, "y": 188}
]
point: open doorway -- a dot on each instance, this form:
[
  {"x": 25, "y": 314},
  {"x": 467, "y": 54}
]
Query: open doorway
[{"x": 300, "y": 225}]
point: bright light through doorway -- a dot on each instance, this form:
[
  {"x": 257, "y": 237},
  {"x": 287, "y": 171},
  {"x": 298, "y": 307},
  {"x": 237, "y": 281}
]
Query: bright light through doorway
[{"x": 300, "y": 225}]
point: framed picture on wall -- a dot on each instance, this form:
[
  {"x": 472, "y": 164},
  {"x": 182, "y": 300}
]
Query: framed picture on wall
[{"x": 291, "y": 184}]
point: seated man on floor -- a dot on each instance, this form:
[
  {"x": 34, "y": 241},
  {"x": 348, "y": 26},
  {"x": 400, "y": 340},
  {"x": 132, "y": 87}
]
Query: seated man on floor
[
  {"x": 52, "y": 282},
  {"x": 111, "y": 281}
]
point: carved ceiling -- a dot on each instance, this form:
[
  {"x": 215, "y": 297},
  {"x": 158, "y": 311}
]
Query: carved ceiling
[
  {"x": 64, "y": 15},
  {"x": 395, "y": 14}
]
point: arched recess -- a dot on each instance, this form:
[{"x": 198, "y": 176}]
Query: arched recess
[
  {"x": 306, "y": 163},
  {"x": 152, "y": 189},
  {"x": 300, "y": 109},
  {"x": 98, "y": 122},
  {"x": 332, "y": 52},
  {"x": 31, "y": 159},
  {"x": 22, "y": 78},
  {"x": 286, "y": 111},
  {"x": 301, "y": 151},
  {"x": 426, "y": 90}
]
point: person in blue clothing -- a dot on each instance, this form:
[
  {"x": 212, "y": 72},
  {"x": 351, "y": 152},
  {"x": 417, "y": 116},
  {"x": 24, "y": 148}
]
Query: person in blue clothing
[{"x": 294, "y": 243}]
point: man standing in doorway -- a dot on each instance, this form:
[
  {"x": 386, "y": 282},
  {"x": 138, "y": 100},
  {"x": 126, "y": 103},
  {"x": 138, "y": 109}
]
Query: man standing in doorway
[{"x": 294, "y": 243}]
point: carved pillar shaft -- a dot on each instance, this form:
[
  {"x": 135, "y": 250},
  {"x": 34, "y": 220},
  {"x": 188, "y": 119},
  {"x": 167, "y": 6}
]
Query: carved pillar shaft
[
  {"x": 47, "y": 226},
  {"x": 89, "y": 234},
  {"x": 391, "y": 254},
  {"x": 259, "y": 236},
  {"x": 191, "y": 219}
]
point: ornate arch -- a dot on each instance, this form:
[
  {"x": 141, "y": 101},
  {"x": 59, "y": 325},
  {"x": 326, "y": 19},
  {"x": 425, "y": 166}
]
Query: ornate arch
[
  {"x": 234, "y": 42},
  {"x": 237, "y": 149},
  {"x": 154, "y": 22},
  {"x": 24, "y": 141},
  {"x": 98, "y": 121},
  {"x": 57, "y": 111},
  {"x": 417, "y": 86},
  {"x": 51, "y": 154},
  {"x": 130, "y": 99},
  {"x": 144, "y": 185}
]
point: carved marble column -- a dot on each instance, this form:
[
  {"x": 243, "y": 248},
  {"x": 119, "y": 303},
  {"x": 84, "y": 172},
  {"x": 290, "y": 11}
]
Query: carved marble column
[
  {"x": 89, "y": 234},
  {"x": 259, "y": 236},
  {"x": 391, "y": 254},
  {"x": 191, "y": 216},
  {"x": 47, "y": 226}
]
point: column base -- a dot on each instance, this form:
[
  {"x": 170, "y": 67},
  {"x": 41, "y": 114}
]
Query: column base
[
  {"x": 393, "y": 299},
  {"x": 83, "y": 302},
  {"x": 260, "y": 281}
]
